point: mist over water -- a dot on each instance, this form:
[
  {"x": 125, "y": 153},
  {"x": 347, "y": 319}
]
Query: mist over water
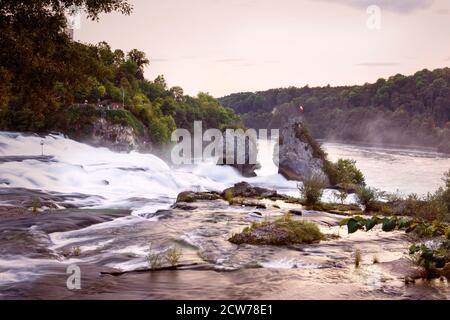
[
  {"x": 145, "y": 183},
  {"x": 142, "y": 182},
  {"x": 393, "y": 169}
]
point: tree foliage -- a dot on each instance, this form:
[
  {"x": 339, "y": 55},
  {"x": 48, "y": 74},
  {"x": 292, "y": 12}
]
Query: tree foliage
[
  {"x": 400, "y": 110},
  {"x": 43, "y": 74}
]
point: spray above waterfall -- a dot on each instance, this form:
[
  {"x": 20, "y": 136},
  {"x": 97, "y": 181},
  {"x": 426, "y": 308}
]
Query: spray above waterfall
[{"x": 142, "y": 182}]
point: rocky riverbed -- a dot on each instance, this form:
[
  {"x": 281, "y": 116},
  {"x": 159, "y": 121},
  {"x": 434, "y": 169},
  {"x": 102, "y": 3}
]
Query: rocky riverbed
[{"x": 112, "y": 247}]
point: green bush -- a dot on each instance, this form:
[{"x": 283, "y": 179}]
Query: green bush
[
  {"x": 302, "y": 133},
  {"x": 367, "y": 196},
  {"x": 173, "y": 255},
  {"x": 76, "y": 251},
  {"x": 345, "y": 172},
  {"x": 36, "y": 204},
  {"x": 154, "y": 259},
  {"x": 312, "y": 189},
  {"x": 433, "y": 206},
  {"x": 446, "y": 191},
  {"x": 126, "y": 118},
  {"x": 431, "y": 258},
  {"x": 419, "y": 226}
]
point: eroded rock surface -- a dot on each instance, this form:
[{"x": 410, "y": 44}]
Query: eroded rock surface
[{"x": 300, "y": 157}]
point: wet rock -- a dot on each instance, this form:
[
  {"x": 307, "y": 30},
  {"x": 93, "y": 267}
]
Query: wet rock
[
  {"x": 409, "y": 280},
  {"x": 238, "y": 142},
  {"x": 300, "y": 156},
  {"x": 245, "y": 202},
  {"x": 26, "y": 234},
  {"x": 4, "y": 159},
  {"x": 27, "y": 198},
  {"x": 184, "y": 206},
  {"x": 296, "y": 212},
  {"x": 244, "y": 189},
  {"x": 161, "y": 214},
  {"x": 191, "y": 196},
  {"x": 255, "y": 214}
]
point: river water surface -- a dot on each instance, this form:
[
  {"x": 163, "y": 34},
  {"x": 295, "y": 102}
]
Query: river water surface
[
  {"x": 132, "y": 187},
  {"x": 394, "y": 169}
]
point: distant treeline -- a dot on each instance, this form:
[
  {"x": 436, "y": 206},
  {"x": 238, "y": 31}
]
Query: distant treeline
[
  {"x": 405, "y": 110},
  {"x": 45, "y": 77}
]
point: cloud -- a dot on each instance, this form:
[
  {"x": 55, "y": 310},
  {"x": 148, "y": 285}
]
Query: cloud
[
  {"x": 190, "y": 57},
  {"x": 443, "y": 11},
  {"x": 400, "y": 6},
  {"x": 159, "y": 60},
  {"x": 245, "y": 62},
  {"x": 377, "y": 64},
  {"x": 229, "y": 60},
  {"x": 447, "y": 59}
]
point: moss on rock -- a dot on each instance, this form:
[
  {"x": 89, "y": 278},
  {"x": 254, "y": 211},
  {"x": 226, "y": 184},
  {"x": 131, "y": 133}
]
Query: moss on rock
[
  {"x": 190, "y": 196},
  {"x": 282, "y": 231}
]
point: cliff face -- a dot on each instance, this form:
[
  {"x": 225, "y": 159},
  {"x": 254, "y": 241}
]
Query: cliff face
[
  {"x": 300, "y": 156},
  {"x": 118, "y": 130},
  {"x": 115, "y": 136}
]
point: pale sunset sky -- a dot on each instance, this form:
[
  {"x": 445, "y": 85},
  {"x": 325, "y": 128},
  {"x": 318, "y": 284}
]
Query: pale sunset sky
[{"x": 227, "y": 46}]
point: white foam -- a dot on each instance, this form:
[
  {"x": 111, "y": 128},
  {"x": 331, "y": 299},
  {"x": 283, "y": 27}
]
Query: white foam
[
  {"x": 286, "y": 263},
  {"x": 118, "y": 178}
]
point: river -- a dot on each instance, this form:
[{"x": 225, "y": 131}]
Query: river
[
  {"x": 395, "y": 170},
  {"x": 34, "y": 250}
]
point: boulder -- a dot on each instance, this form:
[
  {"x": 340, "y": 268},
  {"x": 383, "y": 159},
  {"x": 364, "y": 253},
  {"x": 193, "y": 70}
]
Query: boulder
[
  {"x": 245, "y": 190},
  {"x": 296, "y": 212},
  {"x": 191, "y": 196},
  {"x": 183, "y": 206},
  {"x": 238, "y": 141},
  {"x": 298, "y": 155}
]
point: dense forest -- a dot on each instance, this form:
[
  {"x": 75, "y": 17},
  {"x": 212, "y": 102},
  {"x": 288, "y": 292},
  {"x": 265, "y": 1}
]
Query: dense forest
[
  {"x": 402, "y": 110},
  {"x": 49, "y": 82}
]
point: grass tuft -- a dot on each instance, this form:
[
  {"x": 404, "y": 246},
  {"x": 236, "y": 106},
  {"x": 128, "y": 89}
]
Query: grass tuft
[{"x": 282, "y": 231}]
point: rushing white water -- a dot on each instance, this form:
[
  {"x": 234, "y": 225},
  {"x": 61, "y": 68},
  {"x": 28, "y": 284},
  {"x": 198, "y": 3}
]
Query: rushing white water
[
  {"x": 144, "y": 182},
  {"x": 123, "y": 180}
]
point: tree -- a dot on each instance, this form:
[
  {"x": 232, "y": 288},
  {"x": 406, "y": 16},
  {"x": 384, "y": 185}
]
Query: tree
[
  {"x": 177, "y": 93},
  {"x": 160, "y": 81},
  {"x": 58, "y": 7},
  {"x": 119, "y": 57},
  {"x": 139, "y": 58},
  {"x": 401, "y": 110},
  {"x": 37, "y": 54}
]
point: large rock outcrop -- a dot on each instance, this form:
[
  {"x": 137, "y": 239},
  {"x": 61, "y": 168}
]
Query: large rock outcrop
[
  {"x": 116, "y": 136},
  {"x": 240, "y": 146},
  {"x": 298, "y": 155},
  {"x": 116, "y": 129}
]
